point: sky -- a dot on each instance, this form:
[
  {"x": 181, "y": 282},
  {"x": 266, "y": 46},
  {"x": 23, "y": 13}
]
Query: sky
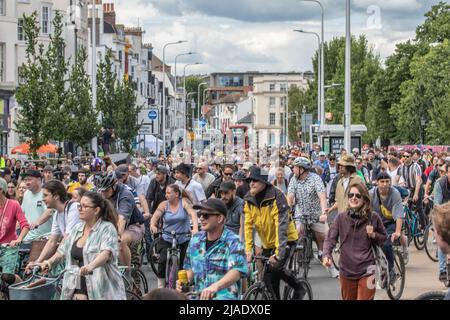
[{"x": 257, "y": 35}]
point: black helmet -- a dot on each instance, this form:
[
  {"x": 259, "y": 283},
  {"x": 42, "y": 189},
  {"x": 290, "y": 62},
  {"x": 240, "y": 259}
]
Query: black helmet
[
  {"x": 239, "y": 175},
  {"x": 105, "y": 180}
]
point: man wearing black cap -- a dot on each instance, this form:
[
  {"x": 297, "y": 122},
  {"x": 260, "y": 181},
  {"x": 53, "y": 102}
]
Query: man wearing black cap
[
  {"x": 192, "y": 188},
  {"x": 5, "y": 173},
  {"x": 387, "y": 202},
  {"x": 215, "y": 259},
  {"x": 225, "y": 175},
  {"x": 266, "y": 209},
  {"x": 235, "y": 207}
]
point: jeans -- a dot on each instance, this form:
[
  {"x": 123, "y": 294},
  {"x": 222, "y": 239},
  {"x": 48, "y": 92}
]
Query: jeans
[
  {"x": 387, "y": 246},
  {"x": 442, "y": 261}
]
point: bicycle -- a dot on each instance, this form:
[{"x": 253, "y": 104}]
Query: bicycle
[
  {"x": 397, "y": 277},
  {"x": 432, "y": 295},
  {"x": 431, "y": 247},
  {"x": 173, "y": 257},
  {"x": 137, "y": 284},
  {"x": 303, "y": 253},
  {"x": 263, "y": 290},
  {"x": 411, "y": 226}
]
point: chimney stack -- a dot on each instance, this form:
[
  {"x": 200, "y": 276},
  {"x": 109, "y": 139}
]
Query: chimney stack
[{"x": 109, "y": 14}]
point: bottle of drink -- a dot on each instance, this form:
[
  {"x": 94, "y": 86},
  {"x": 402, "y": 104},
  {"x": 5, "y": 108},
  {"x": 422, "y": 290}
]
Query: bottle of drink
[{"x": 183, "y": 278}]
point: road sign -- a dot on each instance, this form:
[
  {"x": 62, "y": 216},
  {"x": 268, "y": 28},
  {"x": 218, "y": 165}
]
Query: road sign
[
  {"x": 149, "y": 121},
  {"x": 202, "y": 123},
  {"x": 153, "y": 114}
]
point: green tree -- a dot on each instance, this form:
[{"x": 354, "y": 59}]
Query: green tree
[
  {"x": 297, "y": 100},
  {"x": 106, "y": 90},
  {"x": 82, "y": 124},
  {"x": 125, "y": 118},
  {"x": 57, "y": 68},
  {"x": 33, "y": 96},
  {"x": 192, "y": 83}
]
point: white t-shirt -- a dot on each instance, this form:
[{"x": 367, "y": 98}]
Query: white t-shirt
[
  {"x": 194, "y": 190},
  {"x": 143, "y": 182},
  {"x": 64, "y": 222},
  {"x": 394, "y": 174},
  {"x": 206, "y": 181}
]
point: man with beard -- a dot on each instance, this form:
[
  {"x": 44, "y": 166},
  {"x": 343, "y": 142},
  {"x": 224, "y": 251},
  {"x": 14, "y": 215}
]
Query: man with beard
[{"x": 83, "y": 176}]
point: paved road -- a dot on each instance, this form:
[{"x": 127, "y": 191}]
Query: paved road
[{"x": 421, "y": 276}]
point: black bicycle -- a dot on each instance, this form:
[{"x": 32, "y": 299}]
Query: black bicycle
[
  {"x": 263, "y": 290},
  {"x": 173, "y": 256},
  {"x": 397, "y": 276},
  {"x": 303, "y": 253}
]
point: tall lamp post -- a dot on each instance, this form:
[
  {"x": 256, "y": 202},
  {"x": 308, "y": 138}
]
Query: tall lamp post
[
  {"x": 184, "y": 90},
  {"x": 192, "y": 108},
  {"x": 198, "y": 103},
  {"x": 322, "y": 68},
  {"x": 423, "y": 121},
  {"x": 164, "y": 92},
  {"x": 94, "y": 66},
  {"x": 348, "y": 81},
  {"x": 319, "y": 82},
  {"x": 175, "y": 66}
]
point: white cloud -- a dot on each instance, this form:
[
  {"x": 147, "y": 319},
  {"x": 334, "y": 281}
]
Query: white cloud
[{"x": 232, "y": 43}]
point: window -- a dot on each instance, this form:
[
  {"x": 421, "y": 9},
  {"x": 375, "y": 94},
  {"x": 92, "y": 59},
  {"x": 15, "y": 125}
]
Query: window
[
  {"x": 141, "y": 88},
  {"x": 272, "y": 118},
  {"x": 20, "y": 79},
  {"x": 2, "y": 62},
  {"x": 282, "y": 119},
  {"x": 120, "y": 58},
  {"x": 293, "y": 86},
  {"x": 272, "y": 101},
  {"x": 132, "y": 71},
  {"x": 272, "y": 87},
  {"x": 45, "y": 20},
  {"x": 283, "y": 101},
  {"x": 272, "y": 139},
  {"x": 2, "y": 7},
  {"x": 283, "y": 87},
  {"x": 20, "y": 29},
  {"x": 230, "y": 81}
]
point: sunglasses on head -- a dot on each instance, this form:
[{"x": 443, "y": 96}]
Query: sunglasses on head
[{"x": 352, "y": 195}]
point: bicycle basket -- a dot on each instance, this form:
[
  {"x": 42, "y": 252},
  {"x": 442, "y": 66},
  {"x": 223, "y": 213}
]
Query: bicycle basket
[{"x": 44, "y": 291}]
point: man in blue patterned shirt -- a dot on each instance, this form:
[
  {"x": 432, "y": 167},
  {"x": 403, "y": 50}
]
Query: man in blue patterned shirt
[{"x": 215, "y": 260}]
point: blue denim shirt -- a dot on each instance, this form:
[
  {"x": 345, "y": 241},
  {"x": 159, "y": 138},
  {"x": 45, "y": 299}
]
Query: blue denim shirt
[{"x": 211, "y": 266}]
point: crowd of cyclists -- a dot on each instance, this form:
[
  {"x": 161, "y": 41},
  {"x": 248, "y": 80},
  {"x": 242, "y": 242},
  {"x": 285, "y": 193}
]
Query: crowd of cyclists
[{"x": 221, "y": 216}]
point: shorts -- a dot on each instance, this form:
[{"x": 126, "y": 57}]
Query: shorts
[
  {"x": 317, "y": 227},
  {"x": 136, "y": 232},
  {"x": 9, "y": 258}
]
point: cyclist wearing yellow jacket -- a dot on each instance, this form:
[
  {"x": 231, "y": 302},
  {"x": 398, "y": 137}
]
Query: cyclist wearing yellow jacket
[{"x": 267, "y": 211}]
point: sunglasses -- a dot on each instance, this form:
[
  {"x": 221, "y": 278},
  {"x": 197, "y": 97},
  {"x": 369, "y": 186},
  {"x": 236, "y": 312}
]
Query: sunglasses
[
  {"x": 352, "y": 195},
  {"x": 205, "y": 215},
  {"x": 406, "y": 157},
  {"x": 228, "y": 174}
]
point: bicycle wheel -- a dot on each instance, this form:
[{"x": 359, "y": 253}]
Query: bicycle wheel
[
  {"x": 154, "y": 257},
  {"x": 256, "y": 292},
  {"x": 140, "y": 285},
  {"x": 432, "y": 295},
  {"x": 335, "y": 255},
  {"x": 288, "y": 291},
  {"x": 397, "y": 284},
  {"x": 172, "y": 272},
  {"x": 131, "y": 295},
  {"x": 431, "y": 247},
  {"x": 419, "y": 239}
]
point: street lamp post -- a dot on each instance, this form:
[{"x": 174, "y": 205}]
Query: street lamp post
[
  {"x": 322, "y": 68},
  {"x": 198, "y": 103},
  {"x": 184, "y": 90},
  {"x": 348, "y": 79},
  {"x": 164, "y": 92},
  {"x": 94, "y": 67},
  {"x": 319, "y": 82},
  {"x": 192, "y": 108},
  {"x": 175, "y": 67},
  {"x": 423, "y": 122}
]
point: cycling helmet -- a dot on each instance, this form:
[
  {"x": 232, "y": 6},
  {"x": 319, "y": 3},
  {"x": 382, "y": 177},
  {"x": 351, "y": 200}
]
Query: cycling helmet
[
  {"x": 239, "y": 175},
  {"x": 105, "y": 180},
  {"x": 302, "y": 162}
]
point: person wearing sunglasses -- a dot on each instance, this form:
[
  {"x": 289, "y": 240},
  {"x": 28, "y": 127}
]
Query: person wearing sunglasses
[
  {"x": 66, "y": 217},
  {"x": 219, "y": 280},
  {"x": 266, "y": 209},
  {"x": 202, "y": 175},
  {"x": 226, "y": 175},
  {"x": 442, "y": 196},
  {"x": 358, "y": 229}
]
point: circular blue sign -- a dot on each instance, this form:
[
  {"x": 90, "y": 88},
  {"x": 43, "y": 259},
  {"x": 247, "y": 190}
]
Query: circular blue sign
[{"x": 152, "y": 115}]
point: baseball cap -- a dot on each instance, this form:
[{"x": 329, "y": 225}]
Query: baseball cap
[
  {"x": 227, "y": 186},
  {"x": 212, "y": 206},
  {"x": 383, "y": 175},
  {"x": 321, "y": 153},
  {"x": 32, "y": 173},
  {"x": 121, "y": 170},
  {"x": 162, "y": 169}
]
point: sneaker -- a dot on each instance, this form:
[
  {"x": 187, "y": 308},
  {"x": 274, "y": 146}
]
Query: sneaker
[
  {"x": 405, "y": 254},
  {"x": 392, "y": 276},
  {"x": 443, "y": 276},
  {"x": 333, "y": 272}
]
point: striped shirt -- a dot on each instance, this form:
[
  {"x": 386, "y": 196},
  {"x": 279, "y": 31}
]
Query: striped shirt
[{"x": 409, "y": 173}]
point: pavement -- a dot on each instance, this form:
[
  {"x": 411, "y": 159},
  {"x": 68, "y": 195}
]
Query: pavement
[{"x": 421, "y": 276}]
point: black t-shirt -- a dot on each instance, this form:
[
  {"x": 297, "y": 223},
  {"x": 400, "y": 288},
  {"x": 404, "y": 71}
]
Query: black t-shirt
[{"x": 210, "y": 243}]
